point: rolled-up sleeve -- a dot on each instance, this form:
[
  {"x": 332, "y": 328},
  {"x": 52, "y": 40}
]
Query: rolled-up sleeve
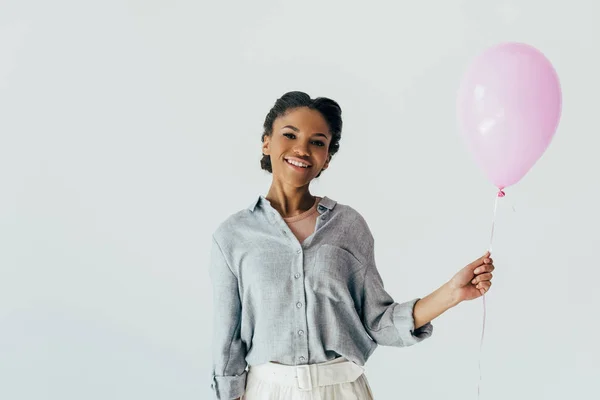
[
  {"x": 389, "y": 323},
  {"x": 229, "y": 351}
]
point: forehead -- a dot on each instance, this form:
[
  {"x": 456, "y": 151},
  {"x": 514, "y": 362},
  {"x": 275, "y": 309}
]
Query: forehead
[{"x": 305, "y": 119}]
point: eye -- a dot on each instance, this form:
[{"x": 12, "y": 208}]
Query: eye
[{"x": 292, "y": 136}]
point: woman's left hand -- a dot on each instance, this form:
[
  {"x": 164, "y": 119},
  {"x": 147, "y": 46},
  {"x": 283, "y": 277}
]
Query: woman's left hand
[{"x": 474, "y": 280}]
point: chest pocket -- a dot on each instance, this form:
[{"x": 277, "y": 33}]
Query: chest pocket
[{"x": 337, "y": 274}]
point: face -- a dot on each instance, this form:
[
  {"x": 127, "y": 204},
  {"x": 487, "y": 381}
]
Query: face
[{"x": 300, "y": 137}]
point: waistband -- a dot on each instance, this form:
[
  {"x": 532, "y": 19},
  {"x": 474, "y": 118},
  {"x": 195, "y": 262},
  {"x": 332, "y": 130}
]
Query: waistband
[{"x": 307, "y": 377}]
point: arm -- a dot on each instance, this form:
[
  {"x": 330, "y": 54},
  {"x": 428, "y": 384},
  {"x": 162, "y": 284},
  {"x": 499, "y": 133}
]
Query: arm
[
  {"x": 393, "y": 324},
  {"x": 469, "y": 283},
  {"x": 229, "y": 352},
  {"x": 433, "y": 305}
]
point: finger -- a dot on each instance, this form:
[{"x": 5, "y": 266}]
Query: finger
[
  {"x": 485, "y": 268},
  {"x": 488, "y": 260},
  {"x": 479, "y": 261},
  {"x": 485, "y": 285},
  {"x": 481, "y": 278}
]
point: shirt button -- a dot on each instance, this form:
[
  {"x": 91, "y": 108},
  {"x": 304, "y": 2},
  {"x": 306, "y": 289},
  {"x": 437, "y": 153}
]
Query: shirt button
[
  {"x": 302, "y": 359},
  {"x": 323, "y": 216},
  {"x": 300, "y": 333},
  {"x": 297, "y": 275},
  {"x": 284, "y": 232},
  {"x": 299, "y": 251},
  {"x": 299, "y": 305}
]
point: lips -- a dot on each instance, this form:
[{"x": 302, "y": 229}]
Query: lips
[
  {"x": 296, "y": 168},
  {"x": 297, "y": 160}
]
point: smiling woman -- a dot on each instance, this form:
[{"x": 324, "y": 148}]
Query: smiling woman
[
  {"x": 299, "y": 305},
  {"x": 301, "y": 130}
]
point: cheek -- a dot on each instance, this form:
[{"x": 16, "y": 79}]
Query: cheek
[
  {"x": 278, "y": 146},
  {"x": 323, "y": 154}
]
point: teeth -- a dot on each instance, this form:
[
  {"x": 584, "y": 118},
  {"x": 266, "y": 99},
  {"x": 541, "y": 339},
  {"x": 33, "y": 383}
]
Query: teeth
[{"x": 297, "y": 164}]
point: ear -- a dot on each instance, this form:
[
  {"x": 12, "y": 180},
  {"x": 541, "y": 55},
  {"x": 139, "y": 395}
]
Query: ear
[
  {"x": 266, "y": 146},
  {"x": 326, "y": 163}
]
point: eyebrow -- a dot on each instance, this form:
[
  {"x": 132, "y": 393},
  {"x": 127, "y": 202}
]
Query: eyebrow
[{"x": 298, "y": 130}]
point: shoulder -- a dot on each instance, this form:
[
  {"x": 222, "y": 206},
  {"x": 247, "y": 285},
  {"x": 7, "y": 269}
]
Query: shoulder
[
  {"x": 354, "y": 225},
  {"x": 237, "y": 222},
  {"x": 232, "y": 224},
  {"x": 354, "y": 217}
]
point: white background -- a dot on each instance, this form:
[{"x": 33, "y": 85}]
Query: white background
[{"x": 130, "y": 129}]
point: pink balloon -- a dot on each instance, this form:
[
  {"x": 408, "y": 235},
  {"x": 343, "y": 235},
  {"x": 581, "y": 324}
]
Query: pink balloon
[{"x": 509, "y": 105}]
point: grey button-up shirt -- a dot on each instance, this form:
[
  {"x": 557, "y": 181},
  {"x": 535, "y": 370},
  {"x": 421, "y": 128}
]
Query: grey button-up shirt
[{"x": 276, "y": 299}]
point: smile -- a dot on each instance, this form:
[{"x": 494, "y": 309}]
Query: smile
[{"x": 297, "y": 163}]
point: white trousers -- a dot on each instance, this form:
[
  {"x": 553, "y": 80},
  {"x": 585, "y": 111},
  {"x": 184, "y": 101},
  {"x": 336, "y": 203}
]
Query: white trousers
[{"x": 338, "y": 379}]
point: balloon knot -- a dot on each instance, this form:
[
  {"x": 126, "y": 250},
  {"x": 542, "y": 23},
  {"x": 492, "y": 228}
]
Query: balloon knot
[{"x": 501, "y": 194}]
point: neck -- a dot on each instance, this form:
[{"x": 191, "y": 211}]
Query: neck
[{"x": 290, "y": 201}]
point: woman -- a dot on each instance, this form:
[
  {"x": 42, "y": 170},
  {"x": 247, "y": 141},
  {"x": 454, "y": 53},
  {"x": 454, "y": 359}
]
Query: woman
[{"x": 297, "y": 295}]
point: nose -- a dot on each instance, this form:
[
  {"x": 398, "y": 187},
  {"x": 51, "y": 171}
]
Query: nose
[{"x": 301, "y": 150}]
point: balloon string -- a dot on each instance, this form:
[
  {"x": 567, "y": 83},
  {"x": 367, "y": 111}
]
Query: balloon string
[{"x": 500, "y": 194}]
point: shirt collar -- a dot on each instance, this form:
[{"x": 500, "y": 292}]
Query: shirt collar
[{"x": 325, "y": 204}]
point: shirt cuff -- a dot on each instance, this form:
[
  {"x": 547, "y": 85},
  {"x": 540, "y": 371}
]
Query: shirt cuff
[
  {"x": 229, "y": 387},
  {"x": 405, "y": 323}
]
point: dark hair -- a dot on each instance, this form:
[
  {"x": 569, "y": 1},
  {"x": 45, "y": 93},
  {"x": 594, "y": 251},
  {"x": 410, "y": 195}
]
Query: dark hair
[{"x": 329, "y": 109}]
